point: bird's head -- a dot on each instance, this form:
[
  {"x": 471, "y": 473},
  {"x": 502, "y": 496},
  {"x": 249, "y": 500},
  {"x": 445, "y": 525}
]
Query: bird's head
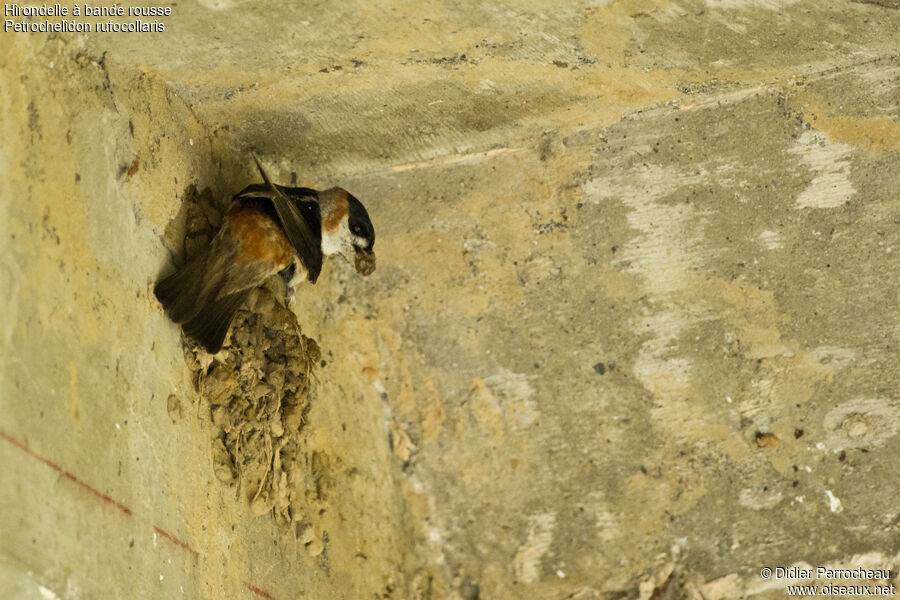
[{"x": 347, "y": 229}]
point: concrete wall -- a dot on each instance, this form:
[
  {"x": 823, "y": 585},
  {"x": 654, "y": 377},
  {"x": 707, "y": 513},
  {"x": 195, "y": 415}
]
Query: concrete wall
[{"x": 633, "y": 329}]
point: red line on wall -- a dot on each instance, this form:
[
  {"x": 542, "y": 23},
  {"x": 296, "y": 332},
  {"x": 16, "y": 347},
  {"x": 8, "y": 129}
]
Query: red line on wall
[
  {"x": 28, "y": 451},
  {"x": 127, "y": 511},
  {"x": 99, "y": 494},
  {"x": 67, "y": 474},
  {"x": 176, "y": 541},
  {"x": 259, "y": 592}
]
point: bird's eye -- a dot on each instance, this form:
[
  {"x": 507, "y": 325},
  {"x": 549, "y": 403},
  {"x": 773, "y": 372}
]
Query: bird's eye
[{"x": 357, "y": 229}]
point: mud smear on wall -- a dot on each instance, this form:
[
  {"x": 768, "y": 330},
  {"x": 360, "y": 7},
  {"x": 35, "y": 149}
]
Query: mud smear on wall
[{"x": 256, "y": 389}]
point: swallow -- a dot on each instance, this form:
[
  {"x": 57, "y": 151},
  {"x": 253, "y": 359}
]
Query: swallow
[{"x": 269, "y": 229}]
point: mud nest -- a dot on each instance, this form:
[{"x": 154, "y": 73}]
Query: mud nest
[{"x": 257, "y": 390}]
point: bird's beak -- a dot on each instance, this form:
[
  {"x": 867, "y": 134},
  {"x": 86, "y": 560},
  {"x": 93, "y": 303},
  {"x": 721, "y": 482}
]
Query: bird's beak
[{"x": 365, "y": 261}]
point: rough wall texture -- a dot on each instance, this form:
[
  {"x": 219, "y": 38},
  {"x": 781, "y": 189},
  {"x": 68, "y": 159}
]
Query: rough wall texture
[{"x": 634, "y": 319}]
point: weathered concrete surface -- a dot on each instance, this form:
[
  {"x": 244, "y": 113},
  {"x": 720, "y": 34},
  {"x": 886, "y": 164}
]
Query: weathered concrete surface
[{"x": 634, "y": 313}]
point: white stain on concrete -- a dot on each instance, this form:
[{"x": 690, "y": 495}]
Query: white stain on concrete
[
  {"x": 757, "y": 499},
  {"x": 721, "y": 588},
  {"x": 516, "y": 396},
  {"x": 665, "y": 250},
  {"x": 829, "y": 162},
  {"x": 608, "y": 524},
  {"x": 834, "y": 503},
  {"x": 47, "y": 593},
  {"x": 666, "y": 254},
  {"x": 527, "y": 562},
  {"x": 770, "y": 239}
]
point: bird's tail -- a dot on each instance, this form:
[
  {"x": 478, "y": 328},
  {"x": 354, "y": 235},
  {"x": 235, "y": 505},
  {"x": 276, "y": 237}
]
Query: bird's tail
[
  {"x": 211, "y": 324},
  {"x": 181, "y": 293},
  {"x": 189, "y": 299}
]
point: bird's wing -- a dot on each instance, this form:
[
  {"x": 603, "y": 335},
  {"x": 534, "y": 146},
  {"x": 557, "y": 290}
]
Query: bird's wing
[{"x": 298, "y": 218}]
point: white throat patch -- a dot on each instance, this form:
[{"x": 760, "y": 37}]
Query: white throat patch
[{"x": 338, "y": 242}]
